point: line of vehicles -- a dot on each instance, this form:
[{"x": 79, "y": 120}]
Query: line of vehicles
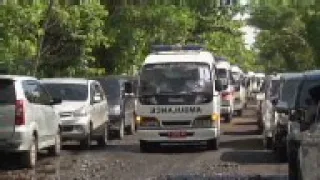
[
  {"x": 178, "y": 97},
  {"x": 290, "y": 111}
]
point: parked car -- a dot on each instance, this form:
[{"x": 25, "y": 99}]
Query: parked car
[
  {"x": 302, "y": 112},
  {"x": 267, "y": 115},
  {"x": 83, "y": 111},
  {"x": 289, "y": 84},
  {"x": 28, "y": 119},
  {"x": 121, "y": 105}
]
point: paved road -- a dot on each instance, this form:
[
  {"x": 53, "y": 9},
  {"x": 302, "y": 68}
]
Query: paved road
[{"x": 241, "y": 153}]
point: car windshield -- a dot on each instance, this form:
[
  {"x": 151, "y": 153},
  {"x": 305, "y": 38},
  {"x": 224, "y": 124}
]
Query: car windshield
[
  {"x": 68, "y": 92},
  {"x": 222, "y": 73},
  {"x": 175, "y": 78},
  {"x": 111, "y": 88}
]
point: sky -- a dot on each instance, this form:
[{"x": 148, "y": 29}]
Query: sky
[{"x": 250, "y": 31}]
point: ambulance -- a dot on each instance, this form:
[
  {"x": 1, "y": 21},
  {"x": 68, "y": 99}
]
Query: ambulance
[{"x": 178, "y": 101}]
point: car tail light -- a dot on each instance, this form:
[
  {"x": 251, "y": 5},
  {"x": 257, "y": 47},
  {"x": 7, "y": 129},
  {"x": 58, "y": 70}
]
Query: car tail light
[
  {"x": 20, "y": 113},
  {"x": 226, "y": 95}
]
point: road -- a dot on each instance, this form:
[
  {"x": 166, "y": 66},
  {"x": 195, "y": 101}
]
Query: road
[{"x": 240, "y": 153}]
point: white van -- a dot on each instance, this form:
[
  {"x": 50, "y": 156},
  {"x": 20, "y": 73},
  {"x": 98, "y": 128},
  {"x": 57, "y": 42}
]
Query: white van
[
  {"x": 178, "y": 102},
  {"x": 223, "y": 69},
  {"x": 240, "y": 91}
]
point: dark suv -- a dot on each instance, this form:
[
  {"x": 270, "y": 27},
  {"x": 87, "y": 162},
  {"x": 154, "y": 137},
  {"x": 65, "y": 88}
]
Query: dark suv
[
  {"x": 121, "y": 105},
  {"x": 301, "y": 116}
]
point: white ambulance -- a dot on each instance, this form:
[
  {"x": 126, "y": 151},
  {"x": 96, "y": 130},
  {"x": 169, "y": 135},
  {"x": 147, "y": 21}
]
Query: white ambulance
[{"x": 178, "y": 101}]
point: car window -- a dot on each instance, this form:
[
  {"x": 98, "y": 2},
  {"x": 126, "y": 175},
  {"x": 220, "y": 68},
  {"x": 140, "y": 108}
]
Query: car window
[
  {"x": 7, "y": 91},
  {"x": 67, "y": 92},
  {"x": 304, "y": 95},
  {"x": 35, "y": 93},
  {"x": 289, "y": 91}
]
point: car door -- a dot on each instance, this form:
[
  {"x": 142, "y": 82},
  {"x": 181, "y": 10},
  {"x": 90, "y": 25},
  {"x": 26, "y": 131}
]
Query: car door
[
  {"x": 32, "y": 93},
  {"x": 101, "y": 105},
  {"x": 51, "y": 120}
]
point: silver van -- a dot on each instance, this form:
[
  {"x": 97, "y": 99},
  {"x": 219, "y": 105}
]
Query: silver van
[
  {"x": 28, "y": 121},
  {"x": 83, "y": 111}
]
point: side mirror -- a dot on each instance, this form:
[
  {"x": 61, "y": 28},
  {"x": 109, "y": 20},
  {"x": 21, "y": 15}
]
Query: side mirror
[
  {"x": 128, "y": 88},
  {"x": 97, "y": 98},
  {"x": 55, "y": 101},
  {"x": 282, "y": 107},
  {"x": 218, "y": 85}
]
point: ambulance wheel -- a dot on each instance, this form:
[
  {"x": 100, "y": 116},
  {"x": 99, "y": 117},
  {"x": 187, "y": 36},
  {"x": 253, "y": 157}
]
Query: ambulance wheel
[{"x": 213, "y": 144}]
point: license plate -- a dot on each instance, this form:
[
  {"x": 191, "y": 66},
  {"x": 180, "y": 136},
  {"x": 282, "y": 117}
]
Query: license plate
[{"x": 177, "y": 134}]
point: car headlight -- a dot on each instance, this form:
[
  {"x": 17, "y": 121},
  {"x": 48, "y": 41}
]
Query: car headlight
[
  {"x": 148, "y": 122},
  {"x": 80, "y": 112},
  {"x": 115, "y": 110}
]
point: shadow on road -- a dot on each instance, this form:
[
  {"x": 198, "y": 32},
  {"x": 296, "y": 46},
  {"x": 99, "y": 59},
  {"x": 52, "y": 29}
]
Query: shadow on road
[
  {"x": 248, "y": 123},
  {"x": 247, "y": 132},
  {"x": 243, "y": 144},
  {"x": 249, "y": 157}
]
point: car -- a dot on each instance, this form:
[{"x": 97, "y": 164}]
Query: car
[
  {"x": 121, "y": 105},
  {"x": 301, "y": 114},
  {"x": 83, "y": 111},
  {"x": 28, "y": 122},
  {"x": 265, "y": 120}
]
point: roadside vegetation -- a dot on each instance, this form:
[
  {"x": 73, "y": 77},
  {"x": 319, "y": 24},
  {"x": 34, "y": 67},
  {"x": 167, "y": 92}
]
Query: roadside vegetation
[{"x": 95, "y": 38}]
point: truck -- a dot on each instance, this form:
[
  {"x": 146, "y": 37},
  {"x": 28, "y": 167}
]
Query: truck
[{"x": 178, "y": 99}]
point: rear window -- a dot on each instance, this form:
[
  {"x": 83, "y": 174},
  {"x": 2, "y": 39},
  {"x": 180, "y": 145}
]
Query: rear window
[{"x": 7, "y": 92}]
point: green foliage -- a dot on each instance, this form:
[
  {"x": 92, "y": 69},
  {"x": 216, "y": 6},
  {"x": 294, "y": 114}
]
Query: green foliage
[
  {"x": 91, "y": 39},
  {"x": 289, "y": 39}
]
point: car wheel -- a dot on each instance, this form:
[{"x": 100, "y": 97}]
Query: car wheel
[
  {"x": 268, "y": 143},
  {"x": 227, "y": 118},
  {"x": 293, "y": 163},
  {"x": 132, "y": 128},
  {"x": 86, "y": 143},
  {"x": 103, "y": 140},
  {"x": 213, "y": 144},
  {"x": 56, "y": 149},
  {"x": 29, "y": 158}
]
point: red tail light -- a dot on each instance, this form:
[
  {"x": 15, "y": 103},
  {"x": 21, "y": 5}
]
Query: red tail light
[
  {"x": 227, "y": 95},
  {"x": 20, "y": 113}
]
